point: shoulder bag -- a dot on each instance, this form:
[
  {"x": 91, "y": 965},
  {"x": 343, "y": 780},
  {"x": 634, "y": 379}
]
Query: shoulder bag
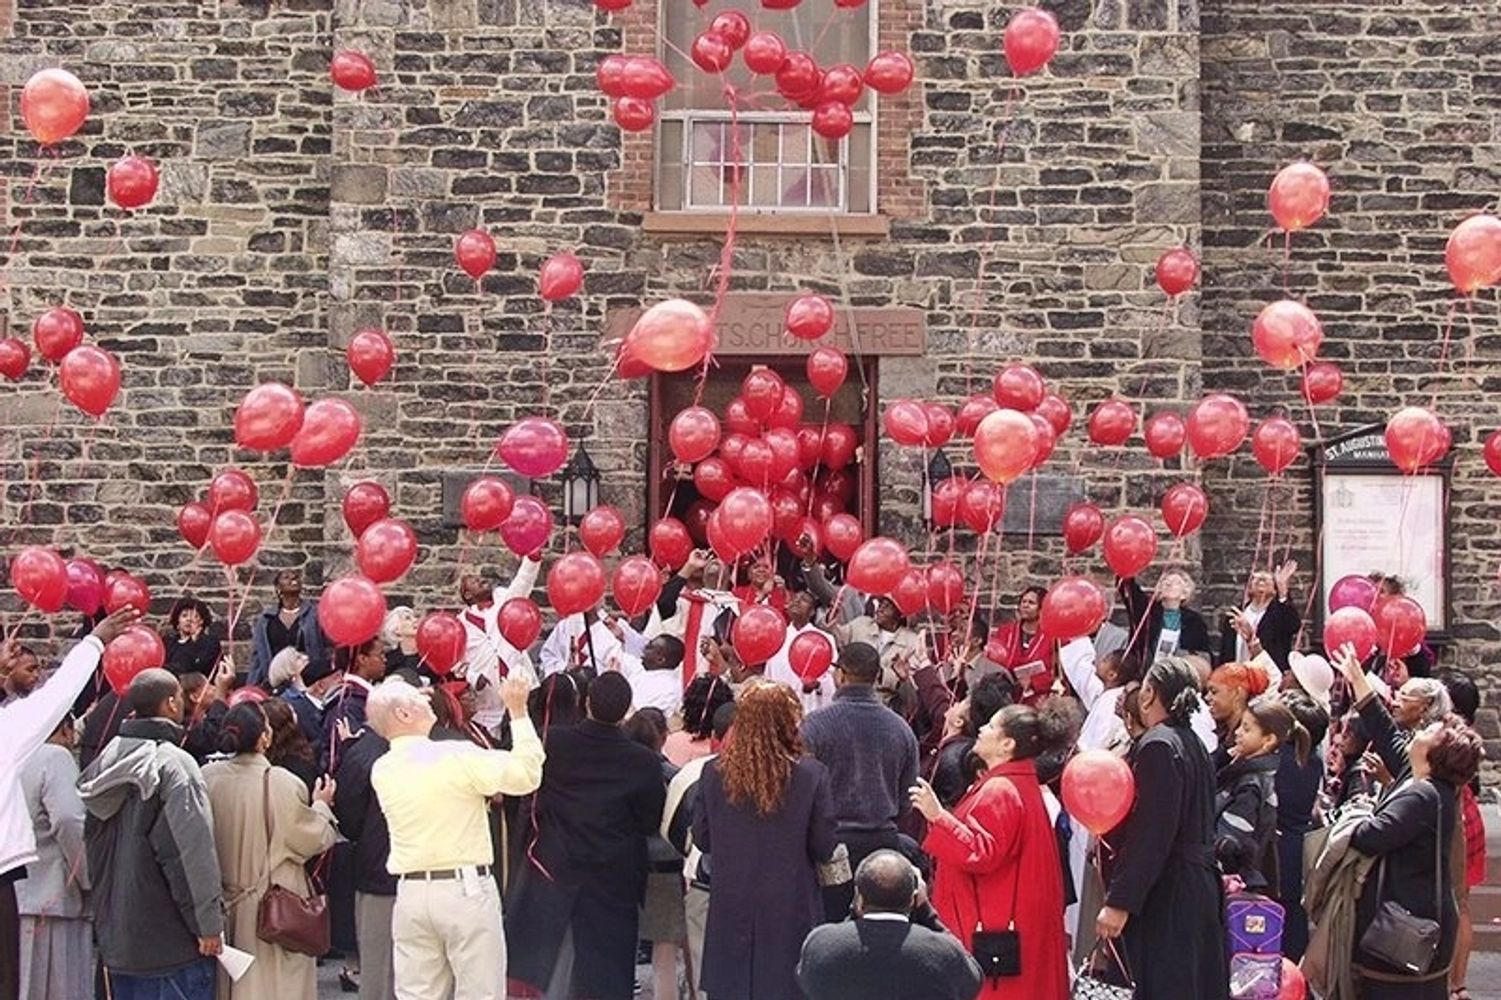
[
  {"x": 296, "y": 923},
  {"x": 1089, "y": 986},
  {"x": 1000, "y": 952},
  {"x": 1399, "y": 937}
]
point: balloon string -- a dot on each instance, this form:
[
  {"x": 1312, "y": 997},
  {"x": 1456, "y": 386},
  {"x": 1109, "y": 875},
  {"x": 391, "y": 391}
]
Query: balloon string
[
  {"x": 1443, "y": 354},
  {"x": 823, "y": 433},
  {"x": 1008, "y": 119},
  {"x": 230, "y": 617},
  {"x": 1287, "y": 260},
  {"x": 546, "y": 355}
]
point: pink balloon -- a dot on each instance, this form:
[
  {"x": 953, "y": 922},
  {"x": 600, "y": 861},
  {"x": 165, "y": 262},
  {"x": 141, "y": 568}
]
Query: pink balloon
[
  {"x": 1217, "y": 424},
  {"x": 85, "y": 586},
  {"x": 235, "y": 537},
  {"x": 1322, "y": 382},
  {"x": 827, "y": 369},
  {"x": 330, "y": 428},
  {"x": 761, "y": 392},
  {"x": 982, "y": 506},
  {"x": 906, "y": 422},
  {"x": 1164, "y": 433},
  {"x": 268, "y": 418},
  {"x": 90, "y": 378},
  {"x": 1031, "y": 40},
  {"x": 669, "y": 543},
  {"x": 1400, "y": 624},
  {"x": 602, "y": 530},
  {"x": 1005, "y": 445},
  {"x": 386, "y": 550},
  {"x": 131, "y": 181},
  {"x": 15, "y": 358},
  {"x": 1353, "y": 591},
  {"x": 764, "y": 53},
  {"x": 1415, "y": 438},
  {"x": 123, "y": 590},
  {"x": 1275, "y": 444},
  {"x": 56, "y": 332},
  {"x": 1073, "y": 607},
  {"x": 441, "y": 641},
  {"x": 1018, "y": 387},
  {"x": 910, "y": 595},
  {"x": 475, "y": 253},
  {"x": 1177, "y": 271},
  {"x": 1112, "y": 422},
  {"x": 519, "y": 622},
  {"x": 370, "y": 355},
  {"x": 133, "y": 651},
  {"x": 944, "y": 583},
  {"x": 636, "y": 584},
  {"x": 1299, "y": 196},
  {"x": 193, "y": 523},
  {"x": 351, "y": 610},
  {"x": 352, "y": 71},
  {"x": 1184, "y": 508},
  {"x": 671, "y": 336},
  {"x": 745, "y": 518},
  {"x": 878, "y": 565},
  {"x": 534, "y": 446},
  {"x": 363, "y": 505},
  {"x": 1287, "y": 334},
  {"x": 758, "y": 634},
  {"x": 810, "y": 655},
  {"x": 54, "y": 105},
  {"x": 526, "y": 530},
  {"x": 1083, "y": 525},
  {"x": 842, "y": 536},
  {"x": 1473, "y": 254},
  {"x": 971, "y": 412},
  {"x": 486, "y": 503},
  {"x": 575, "y": 583},
  {"x": 1350, "y": 625},
  {"x": 1098, "y": 790},
  {"x": 889, "y": 72},
  {"x": 231, "y": 489},
  {"x": 1056, "y": 411}
]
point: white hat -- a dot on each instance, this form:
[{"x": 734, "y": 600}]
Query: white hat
[{"x": 1314, "y": 675}]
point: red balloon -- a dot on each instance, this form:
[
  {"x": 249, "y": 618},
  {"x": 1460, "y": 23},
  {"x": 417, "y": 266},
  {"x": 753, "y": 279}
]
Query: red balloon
[
  {"x": 1350, "y": 625},
  {"x": 235, "y": 537},
  {"x": 1083, "y": 525},
  {"x": 906, "y": 422},
  {"x": 1322, "y": 382},
  {"x": 519, "y": 622},
  {"x": 784, "y": 453},
  {"x": 475, "y": 252},
  {"x": 41, "y": 578},
  {"x": 1353, "y": 591},
  {"x": 910, "y": 595},
  {"x": 131, "y": 181},
  {"x": 85, "y": 586},
  {"x": 789, "y": 412},
  {"x": 645, "y": 78},
  {"x": 352, "y": 71},
  {"x": 745, "y": 519},
  {"x": 1056, "y": 411},
  {"x": 90, "y": 378},
  {"x": 758, "y": 634},
  {"x": 386, "y": 550},
  {"x": 713, "y": 479},
  {"x": 842, "y": 536},
  {"x": 370, "y": 355},
  {"x": 671, "y": 336},
  {"x": 839, "y": 443},
  {"x": 827, "y": 369},
  {"x": 1275, "y": 444},
  {"x": 330, "y": 428},
  {"x": 1217, "y": 424},
  {"x": 562, "y": 276},
  {"x": 54, "y": 105},
  {"x": 1294, "y": 984},
  {"x": 669, "y": 543},
  {"x": 1177, "y": 271},
  {"x": 809, "y": 445},
  {"x": 757, "y": 463},
  {"x": 1287, "y": 334},
  {"x": 1184, "y": 508},
  {"x": 762, "y": 393},
  {"x": 365, "y": 503},
  {"x": 889, "y": 72},
  {"x": 807, "y": 544},
  {"x": 56, "y": 332},
  {"x": 123, "y": 590},
  {"x": 1299, "y": 196},
  {"x": 634, "y": 114},
  {"x": 351, "y": 610},
  {"x": 15, "y": 357},
  {"x": 534, "y": 446},
  {"x": 833, "y": 119},
  {"x": 737, "y": 419},
  {"x": 809, "y": 317},
  {"x": 1112, "y": 422},
  {"x": 1019, "y": 387},
  {"x": 715, "y": 533},
  {"x": 693, "y": 434},
  {"x": 1073, "y": 607},
  {"x": 1164, "y": 433},
  {"x": 193, "y": 523},
  {"x": 841, "y": 83},
  {"x": 940, "y": 425},
  {"x": 797, "y": 77},
  {"x": 268, "y": 418},
  {"x": 601, "y": 530},
  {"x": 575, "y": 583},
  {"x": 1493, "y": 452},
  {"x": 610, "y": 75},
  {"x": 487, "y": 503},
  {"x": 1415, "y": 438},
  {"x": 612, "y": 5},
  {"x": 1130, "y": 545},
  {"x": 764, "y": 52},
  {"x": 982, "y": 505},
  {"x": 1098, "y": 790},
  {"x": 1473, "y": 253},
  {"x": 231, "y": 489},
  {"x": 636, "y": 584},
  {"x": 1400, "y": 624},
  {"x": 1031, "y": 39},
  {"x": 944, "y": 587},
  {"x": 526, "y": 531},
  {"x": 441, "y": 641},
  {"x": 128, "y": 654},
  {"x": 946, "y": 499},
  {"x": 971, "y": 412},
  {"x": 1005, "y": 445},
  {"x": 810, "y": 655},
  {"x": 1046, "y": 440},
  {"x": 878, "y": 565},
  {"x": 711, "y": 52},
  {"x": 733, "y": 26}
]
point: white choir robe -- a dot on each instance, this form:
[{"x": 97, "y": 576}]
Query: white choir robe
[
  {"x": 712, "y": 604},
  {"x": 779, "y": 668},
  {"x": 485, "y": 648},
  {"x": 566, "y": 648}
]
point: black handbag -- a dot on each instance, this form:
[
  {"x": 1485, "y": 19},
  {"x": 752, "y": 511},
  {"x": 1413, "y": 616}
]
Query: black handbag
[
  {"x": 1000, "y": 952},
  {"x": 1397, "y": 936}
]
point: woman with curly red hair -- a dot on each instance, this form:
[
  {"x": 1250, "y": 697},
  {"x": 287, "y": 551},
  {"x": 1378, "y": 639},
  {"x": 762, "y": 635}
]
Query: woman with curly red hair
[{"x": 765, "y": 817}]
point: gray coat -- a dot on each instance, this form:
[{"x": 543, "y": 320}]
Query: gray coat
[
  {"x": 150, "y": 851},
  {"x": 55, "y": 883}
]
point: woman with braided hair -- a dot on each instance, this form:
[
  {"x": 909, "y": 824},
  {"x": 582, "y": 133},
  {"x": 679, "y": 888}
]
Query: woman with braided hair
[{"x": 1162, "y": 889}]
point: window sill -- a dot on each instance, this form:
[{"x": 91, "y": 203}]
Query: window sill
[{"x": 765, "y": 223}]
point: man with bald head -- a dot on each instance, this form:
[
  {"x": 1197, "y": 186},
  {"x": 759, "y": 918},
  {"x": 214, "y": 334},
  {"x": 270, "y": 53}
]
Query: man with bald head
[{"x": 882, "y": 952}]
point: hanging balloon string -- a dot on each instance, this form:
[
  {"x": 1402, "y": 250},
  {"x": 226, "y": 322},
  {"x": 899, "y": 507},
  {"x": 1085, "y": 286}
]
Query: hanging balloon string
[
  {"x": 546, "y": 355},
  {"x": 1266, "y": 498},
  {"x": 1443, "y": 354}
]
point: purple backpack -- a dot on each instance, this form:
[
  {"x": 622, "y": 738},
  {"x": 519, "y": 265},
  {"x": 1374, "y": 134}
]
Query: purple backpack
[{"x": 1253, "y": 937}]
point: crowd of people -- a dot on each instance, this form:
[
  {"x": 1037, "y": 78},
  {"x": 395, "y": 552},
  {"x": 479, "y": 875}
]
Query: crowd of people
[{"x": 638, "y": 795}]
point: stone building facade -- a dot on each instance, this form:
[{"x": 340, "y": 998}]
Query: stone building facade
[{"x": 1018, "y": 219}]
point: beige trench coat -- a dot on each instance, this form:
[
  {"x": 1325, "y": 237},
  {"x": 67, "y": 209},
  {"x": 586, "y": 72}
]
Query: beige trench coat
[{"x": 236, "y": 791}]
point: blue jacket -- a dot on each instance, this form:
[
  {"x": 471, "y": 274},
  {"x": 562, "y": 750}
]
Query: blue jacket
[{"x": 309, "y": 638}]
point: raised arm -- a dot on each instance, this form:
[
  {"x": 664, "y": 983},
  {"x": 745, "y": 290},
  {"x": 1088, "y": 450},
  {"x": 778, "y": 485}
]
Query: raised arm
[{"x": 26, "y": 724}]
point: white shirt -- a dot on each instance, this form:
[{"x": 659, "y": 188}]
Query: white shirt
[
  {"x": 1102, "y": 728},
  {"x": 779, "y": 669},
  {"x": 563, "y": 649},
  {"x": 661, "y": 689},
  {"x": 485, "y": 648},
  {"x": 1202, "y": 724},
  {"x": 1253, "y": 616}
]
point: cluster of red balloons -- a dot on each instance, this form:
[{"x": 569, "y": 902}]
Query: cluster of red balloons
[
  {"x": 225, "y": 520},
  {"x": 89, "y": 376},
  {"x": 1394, "y": 624},
  {"x": 272, "y": 416},
  {"x": 524, "y": 522},
  {"x": 636, "y": 83}
]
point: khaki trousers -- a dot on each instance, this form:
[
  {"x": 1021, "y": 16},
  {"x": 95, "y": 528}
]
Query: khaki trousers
[
  {"x": 696, "y": 910},
  {"x": 446, "y": 943}
]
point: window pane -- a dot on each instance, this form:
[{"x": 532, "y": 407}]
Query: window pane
[
  {"x": 706, "y": 189},
  {"x": 764, "y": 187},
  {"x": 858, "y": 170},
  {"x": 824, "y": 187},
  {"x": 670, "y": 166}
]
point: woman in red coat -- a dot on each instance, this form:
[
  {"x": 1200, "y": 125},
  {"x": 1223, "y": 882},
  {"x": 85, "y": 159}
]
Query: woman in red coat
[
  {"x": 1022, "y": 647},
  {"x": 997, "y": 853}
]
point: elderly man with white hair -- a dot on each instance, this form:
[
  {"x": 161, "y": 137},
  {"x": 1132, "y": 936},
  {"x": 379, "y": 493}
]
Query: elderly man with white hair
[{"x": 446, "y": 926}]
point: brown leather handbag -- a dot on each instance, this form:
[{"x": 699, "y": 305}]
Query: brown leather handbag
[{"x": 296, "y": 923}]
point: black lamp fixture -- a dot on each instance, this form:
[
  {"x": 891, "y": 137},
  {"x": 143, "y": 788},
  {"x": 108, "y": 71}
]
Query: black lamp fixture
[
  {"x": 580, "y": 486},
  {"x": 939, "y": 468}
]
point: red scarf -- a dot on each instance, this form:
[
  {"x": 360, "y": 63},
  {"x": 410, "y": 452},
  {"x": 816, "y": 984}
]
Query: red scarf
[{"x": 691, "y": 629}]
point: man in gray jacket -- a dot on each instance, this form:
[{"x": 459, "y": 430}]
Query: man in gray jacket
[{"x": 157, "y": 895}]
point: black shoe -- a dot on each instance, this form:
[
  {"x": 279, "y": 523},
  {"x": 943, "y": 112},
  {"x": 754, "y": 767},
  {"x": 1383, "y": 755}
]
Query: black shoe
[{"x": 349, "y": 981}]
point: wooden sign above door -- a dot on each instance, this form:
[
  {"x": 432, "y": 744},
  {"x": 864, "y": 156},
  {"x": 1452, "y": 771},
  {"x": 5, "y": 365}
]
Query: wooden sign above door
[{"x": 750, "y": 325}]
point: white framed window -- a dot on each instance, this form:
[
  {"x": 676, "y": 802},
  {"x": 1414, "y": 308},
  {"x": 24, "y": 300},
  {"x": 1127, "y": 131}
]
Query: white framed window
[{"x": 784, "y": 166}]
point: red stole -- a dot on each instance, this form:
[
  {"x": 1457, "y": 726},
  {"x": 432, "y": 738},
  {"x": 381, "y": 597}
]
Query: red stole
[{"x": 691, "y": 629}]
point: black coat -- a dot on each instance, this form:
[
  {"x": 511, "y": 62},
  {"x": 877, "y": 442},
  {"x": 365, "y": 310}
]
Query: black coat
[
  {"x": 765, "y": 897},
  {"x": 1276, "y": 632},
  {"x": 1245, "y": 821},
  {"x": 1400, "y": 834},
  {"x": 350, "y": 708},
  {"x": 885, "y": 960},
  {"x": 360, "y": 817},
  {"x": 1193, "y": 633},
  {"x": 1161, "y": 871},
  {"x": 198, "y": 655}
]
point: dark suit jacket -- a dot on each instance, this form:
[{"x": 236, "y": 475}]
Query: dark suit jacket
[
  {"x": 1276, "y": 631},
  {"x": 877, "y": 959}
]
